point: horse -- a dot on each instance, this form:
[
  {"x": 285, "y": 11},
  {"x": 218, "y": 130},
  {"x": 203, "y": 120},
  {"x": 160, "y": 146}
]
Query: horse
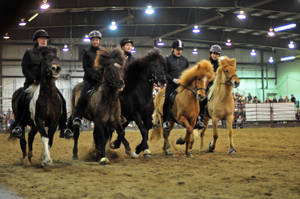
[
  {"x": 136, "y": 98},
  {"x": 220, "y": 103},
  {"x": 104, "y": 107},
  {"x": 185, "y": 109},
  {"x": 45, "y": 105}
]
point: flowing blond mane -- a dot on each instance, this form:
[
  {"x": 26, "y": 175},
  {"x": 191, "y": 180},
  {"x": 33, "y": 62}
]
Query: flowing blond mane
[{"x": 203, "y": 67}]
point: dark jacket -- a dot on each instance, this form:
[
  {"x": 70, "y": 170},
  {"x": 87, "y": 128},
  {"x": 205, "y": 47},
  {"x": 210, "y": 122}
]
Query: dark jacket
[
  {"x": 88, "y": 58},
  {"x": 175, "y": 66},
  {"x": 31, "y": 66},
  {"x": 215, "y": 63}
]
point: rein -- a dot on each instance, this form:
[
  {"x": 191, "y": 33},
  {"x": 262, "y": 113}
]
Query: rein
[{"x": 195, "y": 90}]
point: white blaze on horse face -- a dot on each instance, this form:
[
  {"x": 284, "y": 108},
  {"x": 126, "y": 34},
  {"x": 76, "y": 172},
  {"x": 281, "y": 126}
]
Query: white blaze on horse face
[
  {"x": 204, "y": 80},
  {"x": 117, "y": 65},
  {"x": 46, "y": 155}
]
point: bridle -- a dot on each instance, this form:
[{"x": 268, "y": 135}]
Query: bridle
[
  {"x": 194, "y": 90},
  {"x": 228, "y": 81}
]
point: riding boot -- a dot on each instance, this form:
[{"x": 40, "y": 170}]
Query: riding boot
[{"x": 65, "y": 132}]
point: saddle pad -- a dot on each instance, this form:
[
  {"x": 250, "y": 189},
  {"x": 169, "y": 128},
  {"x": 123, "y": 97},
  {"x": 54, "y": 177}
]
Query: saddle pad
[{"x": 34, "y": 91}]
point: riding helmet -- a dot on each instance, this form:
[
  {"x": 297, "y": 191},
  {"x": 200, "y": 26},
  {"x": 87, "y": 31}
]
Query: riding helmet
[
  {"x": 124, "y": 41},
  {"x": 95, "y": 33},
  {"x": 40, "y": 33},
  {"x": 215, "y": 49},
  {"x": 177, "y": 44}
]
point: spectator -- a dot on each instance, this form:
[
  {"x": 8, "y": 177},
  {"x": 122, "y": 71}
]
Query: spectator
[
  {"x": 255, "y": 100},
  {"x": 286, "y": 99},
  {"x": 249, "y": 97},
  {"x": 293, "y": 99},
  {"x": 274, "y": 100},
  {"x": 280, "y": 99},
  {"x": 268, "y": 100}
]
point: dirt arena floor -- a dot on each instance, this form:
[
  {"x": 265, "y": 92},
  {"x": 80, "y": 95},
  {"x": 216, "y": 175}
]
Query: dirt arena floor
[{"x": 266, "y": 165}]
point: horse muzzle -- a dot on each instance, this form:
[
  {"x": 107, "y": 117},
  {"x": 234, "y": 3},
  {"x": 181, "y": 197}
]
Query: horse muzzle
[{"x": 236, "y": 84}]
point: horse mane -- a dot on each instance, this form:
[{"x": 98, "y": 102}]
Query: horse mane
[
  {"x": 138, "y": 68},
  {"x": 105, "y": 57},
  {"x": 223, "y": 63},
  {"x": 203, "y": 67}
]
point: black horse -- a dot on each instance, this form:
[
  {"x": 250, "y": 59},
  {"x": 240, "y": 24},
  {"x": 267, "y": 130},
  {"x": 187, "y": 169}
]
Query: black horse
[
  {"x": 137, "y": 99},
  {"x": 103, "y": 107},
  {"x": 45, "y": 105}
]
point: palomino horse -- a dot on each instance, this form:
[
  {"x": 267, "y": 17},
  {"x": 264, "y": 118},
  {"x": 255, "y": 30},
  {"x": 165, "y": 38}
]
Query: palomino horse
[
  {"x": 192, "y": 86},
  {"x": 45, "y": 105},
  {"x": 104, "y": 107},
  {"x": 136, "y": 98},
  {"x": 220, "y": 101}
]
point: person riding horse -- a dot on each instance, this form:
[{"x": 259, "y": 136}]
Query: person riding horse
[
  {"x": 31, "y": 66},
  {"x": 91, "y": 79},
  {"x": 176, "y": 63},
  {"x": 214, "y": 54},
  {"x": 127, "y": 45}
]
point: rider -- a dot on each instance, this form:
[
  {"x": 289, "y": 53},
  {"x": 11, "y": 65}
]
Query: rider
[
  {"x": 176, "y": 63},
  {"x": 31, "y": 69},
  {"x": 214, "y": 54},
  {"x": 91, "y": 78}
]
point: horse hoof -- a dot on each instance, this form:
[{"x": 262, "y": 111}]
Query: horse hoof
[
  {"x": 46, "y": 162},
  {"x": 180, "y": 141},
  {"x": 210, "y": 148},
  {"x": 189, "y": 155},
  {"x": 169, "y": 153},
  {"x": 113, "y": 146},
  {"x": 134, "y": 155},
  {"x": 128, "y": 152},
  {"x": 232, "y": 150},
  {"x": 104, "y": 161},
  {"x": 147, "y": 153},
  {"x": 75, "y": 157}
]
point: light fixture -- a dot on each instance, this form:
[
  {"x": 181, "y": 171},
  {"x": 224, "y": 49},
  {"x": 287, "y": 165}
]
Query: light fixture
[
  {"x": 86, "y": 39},
  {"x": 113, "y": 26},
  {"x": 253, "y": 52},
  {"x": 66, "y": 48},
  {"x": 34, "y": 16},
  {"x": 291, "y": 45},
  {"x": 22, "y": 22},
  {"x": 241, "y": 15},
  {"x": 195, "y": 51},
  {"x": 285, "y": 27},
  {"x": 160, "y": 42},
  {"x": 289, "y": 58},
  {"x": 45, "y": 5},
  {"x": 6, "y": 36},
  {"x": 149, "y": 10},
  {"x": 196, "y": 29},
  {"x": 271, "y": 32},
  {"x": 271, "y": 60},
  {"x": 133, "y": 50},
  {"x": 228, "y": 42}
]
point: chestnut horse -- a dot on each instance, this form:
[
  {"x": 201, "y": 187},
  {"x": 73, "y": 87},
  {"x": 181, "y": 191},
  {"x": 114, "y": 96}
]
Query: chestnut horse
[{"x": 192, "y": 86}]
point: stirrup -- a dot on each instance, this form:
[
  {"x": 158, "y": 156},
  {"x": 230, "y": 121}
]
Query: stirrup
[
  {"x": 199, "y": 124},
  {"x": 66, "y": 133},
  {"x": 17, "y": 132},
  {"x": 166, "y": 126},
  {"x": 76, "y": 122}
]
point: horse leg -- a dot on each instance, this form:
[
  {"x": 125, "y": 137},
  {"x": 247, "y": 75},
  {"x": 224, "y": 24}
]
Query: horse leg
[
  {"x": 189, "y": 131},
  {"x": 143, "y": 145},
  {"x": 31, "y": 136},
  {"x": 100, "y": 141},
  {"x": 121, "y": 136},
  {"x": 76, "y": 131},
  {"x": 206, "y": 119},
  {"x": 229, "y": 126},
  {"x": 23, "y": 147},
  {"x": 45, "y": 141},
  {"x": 167, "y": 147},
  {"x": 212, "y": 144}
]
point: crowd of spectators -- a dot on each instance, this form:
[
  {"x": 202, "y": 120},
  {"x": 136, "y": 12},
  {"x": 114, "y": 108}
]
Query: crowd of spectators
[{"x": 6, "y": 120}]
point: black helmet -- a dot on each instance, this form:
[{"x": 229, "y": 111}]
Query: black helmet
[
  {"x": 40, "y": 33},
  {"x": 124, "y": 41},
  {"x": 215, "y": 49},
  {"x": 95, "y": 33},
  {"x": 177, "y": 44}
]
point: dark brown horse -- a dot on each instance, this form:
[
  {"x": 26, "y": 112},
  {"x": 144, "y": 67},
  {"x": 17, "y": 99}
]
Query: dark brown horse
[
  {"x": 104, "y": 107},
  {"x": 45, "y": 105}
]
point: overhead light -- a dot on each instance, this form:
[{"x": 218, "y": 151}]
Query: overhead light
[
  {"x": 160, "y": 42},
  {"x": 34, "y": 16},
  {"x": 195, "y": 51},
  {"x": 253, "y": 52},
  {"x": 6, "y": 36},
  {"x": 66, "y": 48},
  {"x": 241, "y": 15},
  {"x": 133, "y": 50},
  {"x": 271, "y": 60},
  {"x": 22, "y": 22},
  {"x": 285, "y": 27},
  {"x": 45, "y": 5},
  {"x": 228, "y": 42},
  {"x": 86, "y": 39},
  {"x": 289, "y": 58},
  {"x": 149, "y": 10},
  {"x": 196, "y": 29},
  {"x": 271, "y": 32},
  {"x": 291, "y": 45},
  {"x": 113, "y": 26}
]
